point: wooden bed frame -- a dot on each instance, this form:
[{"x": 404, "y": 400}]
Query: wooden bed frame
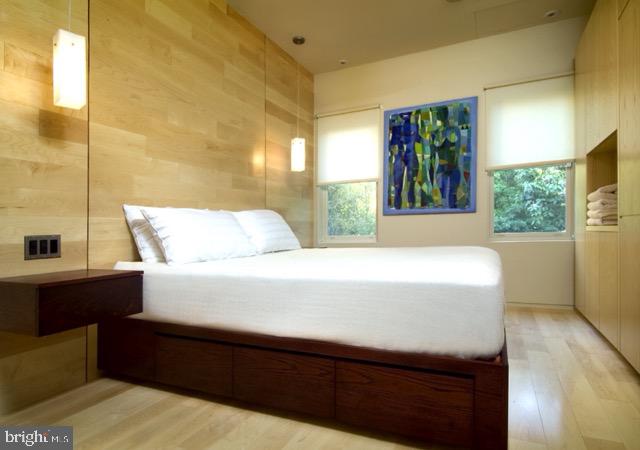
[{"x": 431, "y": 398}]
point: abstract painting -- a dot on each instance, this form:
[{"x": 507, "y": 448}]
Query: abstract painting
[{"x": 430, "y": 158}]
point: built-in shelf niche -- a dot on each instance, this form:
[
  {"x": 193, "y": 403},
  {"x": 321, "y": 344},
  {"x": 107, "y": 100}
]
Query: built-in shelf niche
[
  {"x": 602, "y": 170},
  {"x": 602, "y": 163}
]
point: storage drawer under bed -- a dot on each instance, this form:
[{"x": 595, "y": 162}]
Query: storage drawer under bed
[
  {"x": 418, "y": 404},
  {"x": 430, "y": 405},
  {"x": 413, "y": 403},
  {"x": 194, "y": 364}
]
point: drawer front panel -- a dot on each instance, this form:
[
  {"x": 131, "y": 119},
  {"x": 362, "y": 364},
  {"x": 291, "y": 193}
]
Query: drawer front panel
[
  {"x": 292, "y": 382},
  {"x": 75, "y": 305},
  {"x": 416, "y": 404},
  {"x": 193, "y": 364}
]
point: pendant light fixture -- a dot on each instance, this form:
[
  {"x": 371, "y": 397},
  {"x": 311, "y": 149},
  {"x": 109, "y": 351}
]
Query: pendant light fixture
[
  {"x": 69, "y": 68},
  {"x": 297, "y": 143}
]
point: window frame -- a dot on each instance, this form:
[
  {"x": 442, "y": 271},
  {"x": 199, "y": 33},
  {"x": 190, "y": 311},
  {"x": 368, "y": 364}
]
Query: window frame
[
  {"x": 566, "y": 235},
  {"x": 322, "y": 207}
]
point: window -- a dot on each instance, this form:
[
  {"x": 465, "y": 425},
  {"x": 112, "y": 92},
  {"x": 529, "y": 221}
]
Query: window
[
  {"x": 531, "y": 200},
  {"x": 350, "y": 213},
  {"x": 347, "y": 178},
  {"x": 530, "y": 149}
]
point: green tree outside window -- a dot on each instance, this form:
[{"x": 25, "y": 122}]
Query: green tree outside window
[
  {"x": 530, "y": 200},
  {"x": 351, "y": 209}
]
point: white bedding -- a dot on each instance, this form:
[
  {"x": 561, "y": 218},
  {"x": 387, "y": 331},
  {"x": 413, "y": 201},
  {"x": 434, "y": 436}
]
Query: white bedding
[{"x": 436, "y": 300}]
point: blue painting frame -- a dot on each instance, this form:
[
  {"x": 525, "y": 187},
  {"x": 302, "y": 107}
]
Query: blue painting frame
[{"x": 470, "y": 160}]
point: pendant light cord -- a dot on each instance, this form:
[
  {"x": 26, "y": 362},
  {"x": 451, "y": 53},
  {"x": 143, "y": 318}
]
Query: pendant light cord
[{"x": 297, "y": 99}]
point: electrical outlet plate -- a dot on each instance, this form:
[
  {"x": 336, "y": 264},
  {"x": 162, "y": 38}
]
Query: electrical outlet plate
[{"x": 42, "y": 246}]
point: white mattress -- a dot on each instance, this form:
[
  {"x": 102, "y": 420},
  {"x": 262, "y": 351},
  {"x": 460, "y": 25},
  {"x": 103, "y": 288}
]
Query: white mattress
[{"x": 436, "y": 300}]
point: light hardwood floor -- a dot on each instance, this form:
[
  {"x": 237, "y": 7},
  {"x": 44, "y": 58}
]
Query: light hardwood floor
[{"x": 568, "y": 390}]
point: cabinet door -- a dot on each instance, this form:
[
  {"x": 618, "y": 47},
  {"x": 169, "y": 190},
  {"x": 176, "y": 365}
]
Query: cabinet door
[
  {"x": 629, "y": 229},
  {"x": 608, "y": 286},
  {"x": 597, "y": 77},
  {"x": 629, "y": 130},
  {"x": 605, "y": 108},
  {"x": 587, "y": 62},
  {"x": 581, "y": 90},
  {"x": 592, "y": 311},
  {"x": 580, "y": 194}
]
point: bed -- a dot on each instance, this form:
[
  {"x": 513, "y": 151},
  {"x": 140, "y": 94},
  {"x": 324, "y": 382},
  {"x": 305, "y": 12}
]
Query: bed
[{"x": 401, "y": 340}]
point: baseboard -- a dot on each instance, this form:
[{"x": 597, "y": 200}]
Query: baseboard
[{"x": 539, "y": 305}]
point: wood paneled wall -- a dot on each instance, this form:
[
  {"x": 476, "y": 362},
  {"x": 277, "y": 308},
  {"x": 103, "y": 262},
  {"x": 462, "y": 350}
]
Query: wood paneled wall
[
  {"x": 43, "y": 190},
  {"x": 290, "y": 193},
  {"x": 189, "y": 105}
]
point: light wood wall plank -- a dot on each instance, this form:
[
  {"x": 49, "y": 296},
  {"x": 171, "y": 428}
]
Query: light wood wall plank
[
  {"x": 43, "y": 168},
  {"x": 25, "y": 63},
  {"x": 42, "y": 371}
]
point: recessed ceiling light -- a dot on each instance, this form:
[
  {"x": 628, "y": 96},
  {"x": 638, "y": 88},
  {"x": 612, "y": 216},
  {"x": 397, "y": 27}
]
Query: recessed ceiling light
[
  {"x": 551, "y": 13},
  {"x": 298, "y": 40}
]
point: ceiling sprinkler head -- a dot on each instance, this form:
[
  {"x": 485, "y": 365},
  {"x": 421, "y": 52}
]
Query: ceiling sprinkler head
[
  {"x": 343, "y": 61},
  {"x": 551, "y": 13},
  {"x": 298, "y": 40}
]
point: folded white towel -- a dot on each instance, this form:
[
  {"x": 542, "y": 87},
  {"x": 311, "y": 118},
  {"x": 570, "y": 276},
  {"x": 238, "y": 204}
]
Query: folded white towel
[
  {"x": 608, "y": 189},
  {"x": 613, "y": 221},
  {"x": 603, "y": 204},
  {"x": 595, "y": 196},
  {"x": 603, "y": 213}
]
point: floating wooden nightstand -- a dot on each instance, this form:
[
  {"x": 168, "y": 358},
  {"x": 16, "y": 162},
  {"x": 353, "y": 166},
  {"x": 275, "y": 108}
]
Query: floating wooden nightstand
[{"x": 48, "y": 303}]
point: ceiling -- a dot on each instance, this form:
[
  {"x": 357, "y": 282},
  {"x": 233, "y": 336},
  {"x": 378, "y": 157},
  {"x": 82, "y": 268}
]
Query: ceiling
[{"x": 363, "y": 31}]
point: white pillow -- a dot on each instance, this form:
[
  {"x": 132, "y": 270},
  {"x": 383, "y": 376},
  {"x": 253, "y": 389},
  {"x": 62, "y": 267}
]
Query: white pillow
[
  {"x": 267, "y": 230},
  {"x": 193, "y": 235},
  {"x": 143, "y": 235}
]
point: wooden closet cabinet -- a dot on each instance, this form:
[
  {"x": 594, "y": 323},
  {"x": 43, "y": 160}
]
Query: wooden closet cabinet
[
  {"x": 629, "y": 181},
  {"x": 608, "y": 287},
  {"x": 582, "y": 88},
  {"x": 580, "y": 218},
  {"x": 607, "y": 96},
  {"x": 592, "y": 305},
  {"x": 601, "y": 283},
  {"x": 629, "y": 128},
  {"x": 597, "y": 78},
  {"x": 630, "y": 289},
  {"x": 596, "y": 121}
]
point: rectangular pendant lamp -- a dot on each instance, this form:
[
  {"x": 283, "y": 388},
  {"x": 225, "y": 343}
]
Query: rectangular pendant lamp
[
  {"x": 297, "y": 154},
  {"x": 69, "y": 70},
  {"x": 297, "y": 143}
]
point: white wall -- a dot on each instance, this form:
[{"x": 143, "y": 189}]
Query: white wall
[{"x": 535, "y": 272}]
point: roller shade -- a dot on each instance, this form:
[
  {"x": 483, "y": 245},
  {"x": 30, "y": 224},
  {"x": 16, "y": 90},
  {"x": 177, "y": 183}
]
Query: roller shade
[
  {"x": 348, "y": 147},
  {"x": 530, "y": 123}
]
